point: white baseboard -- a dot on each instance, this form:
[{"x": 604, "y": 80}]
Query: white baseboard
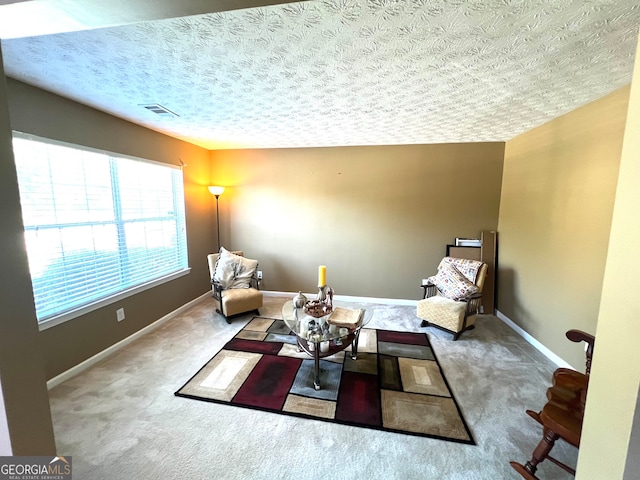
[
  {"x": 271, "y": 293},
  {"x": 347, "y": 298},
  {"x": 75, "y": 370},
  {"x": 535, "y": 343},
  {"x": 384, "y": 301}
]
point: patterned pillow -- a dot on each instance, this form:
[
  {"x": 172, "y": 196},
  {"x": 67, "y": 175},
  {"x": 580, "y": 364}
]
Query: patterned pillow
[
  {"x": 234, "y": 271},
  {"x": 452, "y": 284},
  {"x": 469, "y": 268}
]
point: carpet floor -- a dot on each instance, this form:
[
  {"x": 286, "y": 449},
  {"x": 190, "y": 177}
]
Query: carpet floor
[
  {"x": 395, "y": 384},
  {"x": 121, "y": 420}
]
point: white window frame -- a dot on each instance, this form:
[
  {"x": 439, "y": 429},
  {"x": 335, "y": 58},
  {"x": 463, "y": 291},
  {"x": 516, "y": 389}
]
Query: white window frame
[{"x": 63, "y": 316}]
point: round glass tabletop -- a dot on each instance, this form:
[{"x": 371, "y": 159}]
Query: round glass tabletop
[{"x": 340, "y": 323}]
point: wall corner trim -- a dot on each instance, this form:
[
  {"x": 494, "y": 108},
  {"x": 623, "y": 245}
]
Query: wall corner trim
[
  {"x": 89, "y": 362},
  {"x": 535, "y": 343}
]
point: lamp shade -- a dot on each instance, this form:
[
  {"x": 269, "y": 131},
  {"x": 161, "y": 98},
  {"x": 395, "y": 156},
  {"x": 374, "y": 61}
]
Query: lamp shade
[{"x": 215, "y": 190}]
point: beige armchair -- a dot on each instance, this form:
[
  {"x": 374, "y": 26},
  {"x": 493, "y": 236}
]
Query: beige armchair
[
  {"x": 233, "y": 299},
  {"x": 452, "y": 298}
]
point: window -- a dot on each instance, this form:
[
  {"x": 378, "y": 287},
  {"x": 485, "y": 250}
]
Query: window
[{"x": 98, "y": 226}]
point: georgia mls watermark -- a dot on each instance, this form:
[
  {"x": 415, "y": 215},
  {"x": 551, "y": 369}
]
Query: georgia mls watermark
[{"x": 35, "y": 468}]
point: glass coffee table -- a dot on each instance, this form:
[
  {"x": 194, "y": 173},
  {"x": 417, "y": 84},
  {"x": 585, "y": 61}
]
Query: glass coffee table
[{"x": 320, "y": 337}]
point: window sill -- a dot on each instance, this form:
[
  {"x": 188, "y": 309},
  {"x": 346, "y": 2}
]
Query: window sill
[{"x": 58, "y": 319}]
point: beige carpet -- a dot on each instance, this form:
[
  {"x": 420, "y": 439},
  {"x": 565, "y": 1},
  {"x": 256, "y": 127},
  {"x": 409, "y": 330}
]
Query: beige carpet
[
  {"x": 395, "y": 385},
  {"x": 120, "y": 419}
]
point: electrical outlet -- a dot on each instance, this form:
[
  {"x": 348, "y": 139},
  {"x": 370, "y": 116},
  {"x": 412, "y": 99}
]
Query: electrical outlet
[
  {"x": 120, "y": 314},
  {"x": 259, "y": 274}
]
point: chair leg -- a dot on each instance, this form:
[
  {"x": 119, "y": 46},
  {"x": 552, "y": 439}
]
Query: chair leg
[
  {"x": 425, "y": 323},
  {"x": 220, "y": 312},
  {"x": 228, "y": 320},
  {"x": 539, "y": 454},
  {"x": 521, "y": 470},
  {"x": 457, "y": 335}
]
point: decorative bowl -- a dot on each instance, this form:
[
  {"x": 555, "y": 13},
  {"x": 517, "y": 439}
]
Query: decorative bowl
[{"x": 317, "y": 309}]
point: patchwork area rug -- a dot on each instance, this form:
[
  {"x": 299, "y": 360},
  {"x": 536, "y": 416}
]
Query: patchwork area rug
[{"x": 396, "y": 383}]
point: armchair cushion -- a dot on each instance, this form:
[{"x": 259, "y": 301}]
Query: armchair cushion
[
  {"x": 452, "y": 284},
  {"x": 234, "y": 271},
  {"x": 240, "y": 300},
  {"x": 444, "y": 312}
]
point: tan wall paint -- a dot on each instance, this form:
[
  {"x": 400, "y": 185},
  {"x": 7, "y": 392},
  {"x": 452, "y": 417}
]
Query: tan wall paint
[
  {"x": 615, "y": 376},
  {"x": 41, "y": 113},
  {"x": 24, "y": 394},
  {"x": 378, "y": 217},
  {"x": 557, "y": 200}
]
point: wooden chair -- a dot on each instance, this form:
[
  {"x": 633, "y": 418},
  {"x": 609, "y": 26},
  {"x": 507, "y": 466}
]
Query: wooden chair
[{"x": 561, "y": 417}]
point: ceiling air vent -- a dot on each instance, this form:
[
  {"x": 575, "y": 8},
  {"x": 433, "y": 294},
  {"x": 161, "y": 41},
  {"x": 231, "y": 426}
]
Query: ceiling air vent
[{"x": 160, "y": 110}]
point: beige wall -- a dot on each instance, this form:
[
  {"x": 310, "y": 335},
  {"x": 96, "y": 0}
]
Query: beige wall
[
  {"x": 557, "y": 198},
  {"x": 615, "y": 376},
  {"x": 24, "y": 397},
  {"x": 40, "y": 113},
  {"x": 379, "y": 218}
]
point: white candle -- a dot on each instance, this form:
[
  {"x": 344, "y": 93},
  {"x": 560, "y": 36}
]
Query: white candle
[
  {"x": 312, "y": 346},
  {"x": 324, "y": 347}
]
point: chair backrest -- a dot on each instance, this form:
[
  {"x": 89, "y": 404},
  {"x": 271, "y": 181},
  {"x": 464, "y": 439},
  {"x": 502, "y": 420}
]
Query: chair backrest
[
  {"x": 212, "y": 259},
  {"x": 474, "y": 270}
]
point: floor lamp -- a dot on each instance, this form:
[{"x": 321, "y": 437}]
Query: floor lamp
[{"x": 217, "y": 191}]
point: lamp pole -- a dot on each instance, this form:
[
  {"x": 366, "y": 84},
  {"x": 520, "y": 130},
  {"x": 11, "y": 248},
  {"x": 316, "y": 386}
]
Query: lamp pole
[
  {"x": 217, "y": 191},
  {"x": 218, "y": 220}
]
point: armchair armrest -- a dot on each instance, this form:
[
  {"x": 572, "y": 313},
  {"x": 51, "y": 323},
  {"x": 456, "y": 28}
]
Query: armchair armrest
[
  {"x": 217, "y": 290},
  {"x": 430, "y": 290},
  {"x": 580, "y": 336},
  {"x": 473, "y": 303}
]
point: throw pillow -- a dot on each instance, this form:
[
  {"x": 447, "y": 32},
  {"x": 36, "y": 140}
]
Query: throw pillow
[
  {"x": 452, "y": 284},
  {"x": 234, "y": 271}
]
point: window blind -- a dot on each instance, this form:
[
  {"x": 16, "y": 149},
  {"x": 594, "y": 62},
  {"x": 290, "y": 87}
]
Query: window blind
[{"x": 96, "y": 223}]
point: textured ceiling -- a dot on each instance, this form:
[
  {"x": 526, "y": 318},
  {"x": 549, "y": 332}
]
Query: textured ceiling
[{"x": 344, "y": 72}]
